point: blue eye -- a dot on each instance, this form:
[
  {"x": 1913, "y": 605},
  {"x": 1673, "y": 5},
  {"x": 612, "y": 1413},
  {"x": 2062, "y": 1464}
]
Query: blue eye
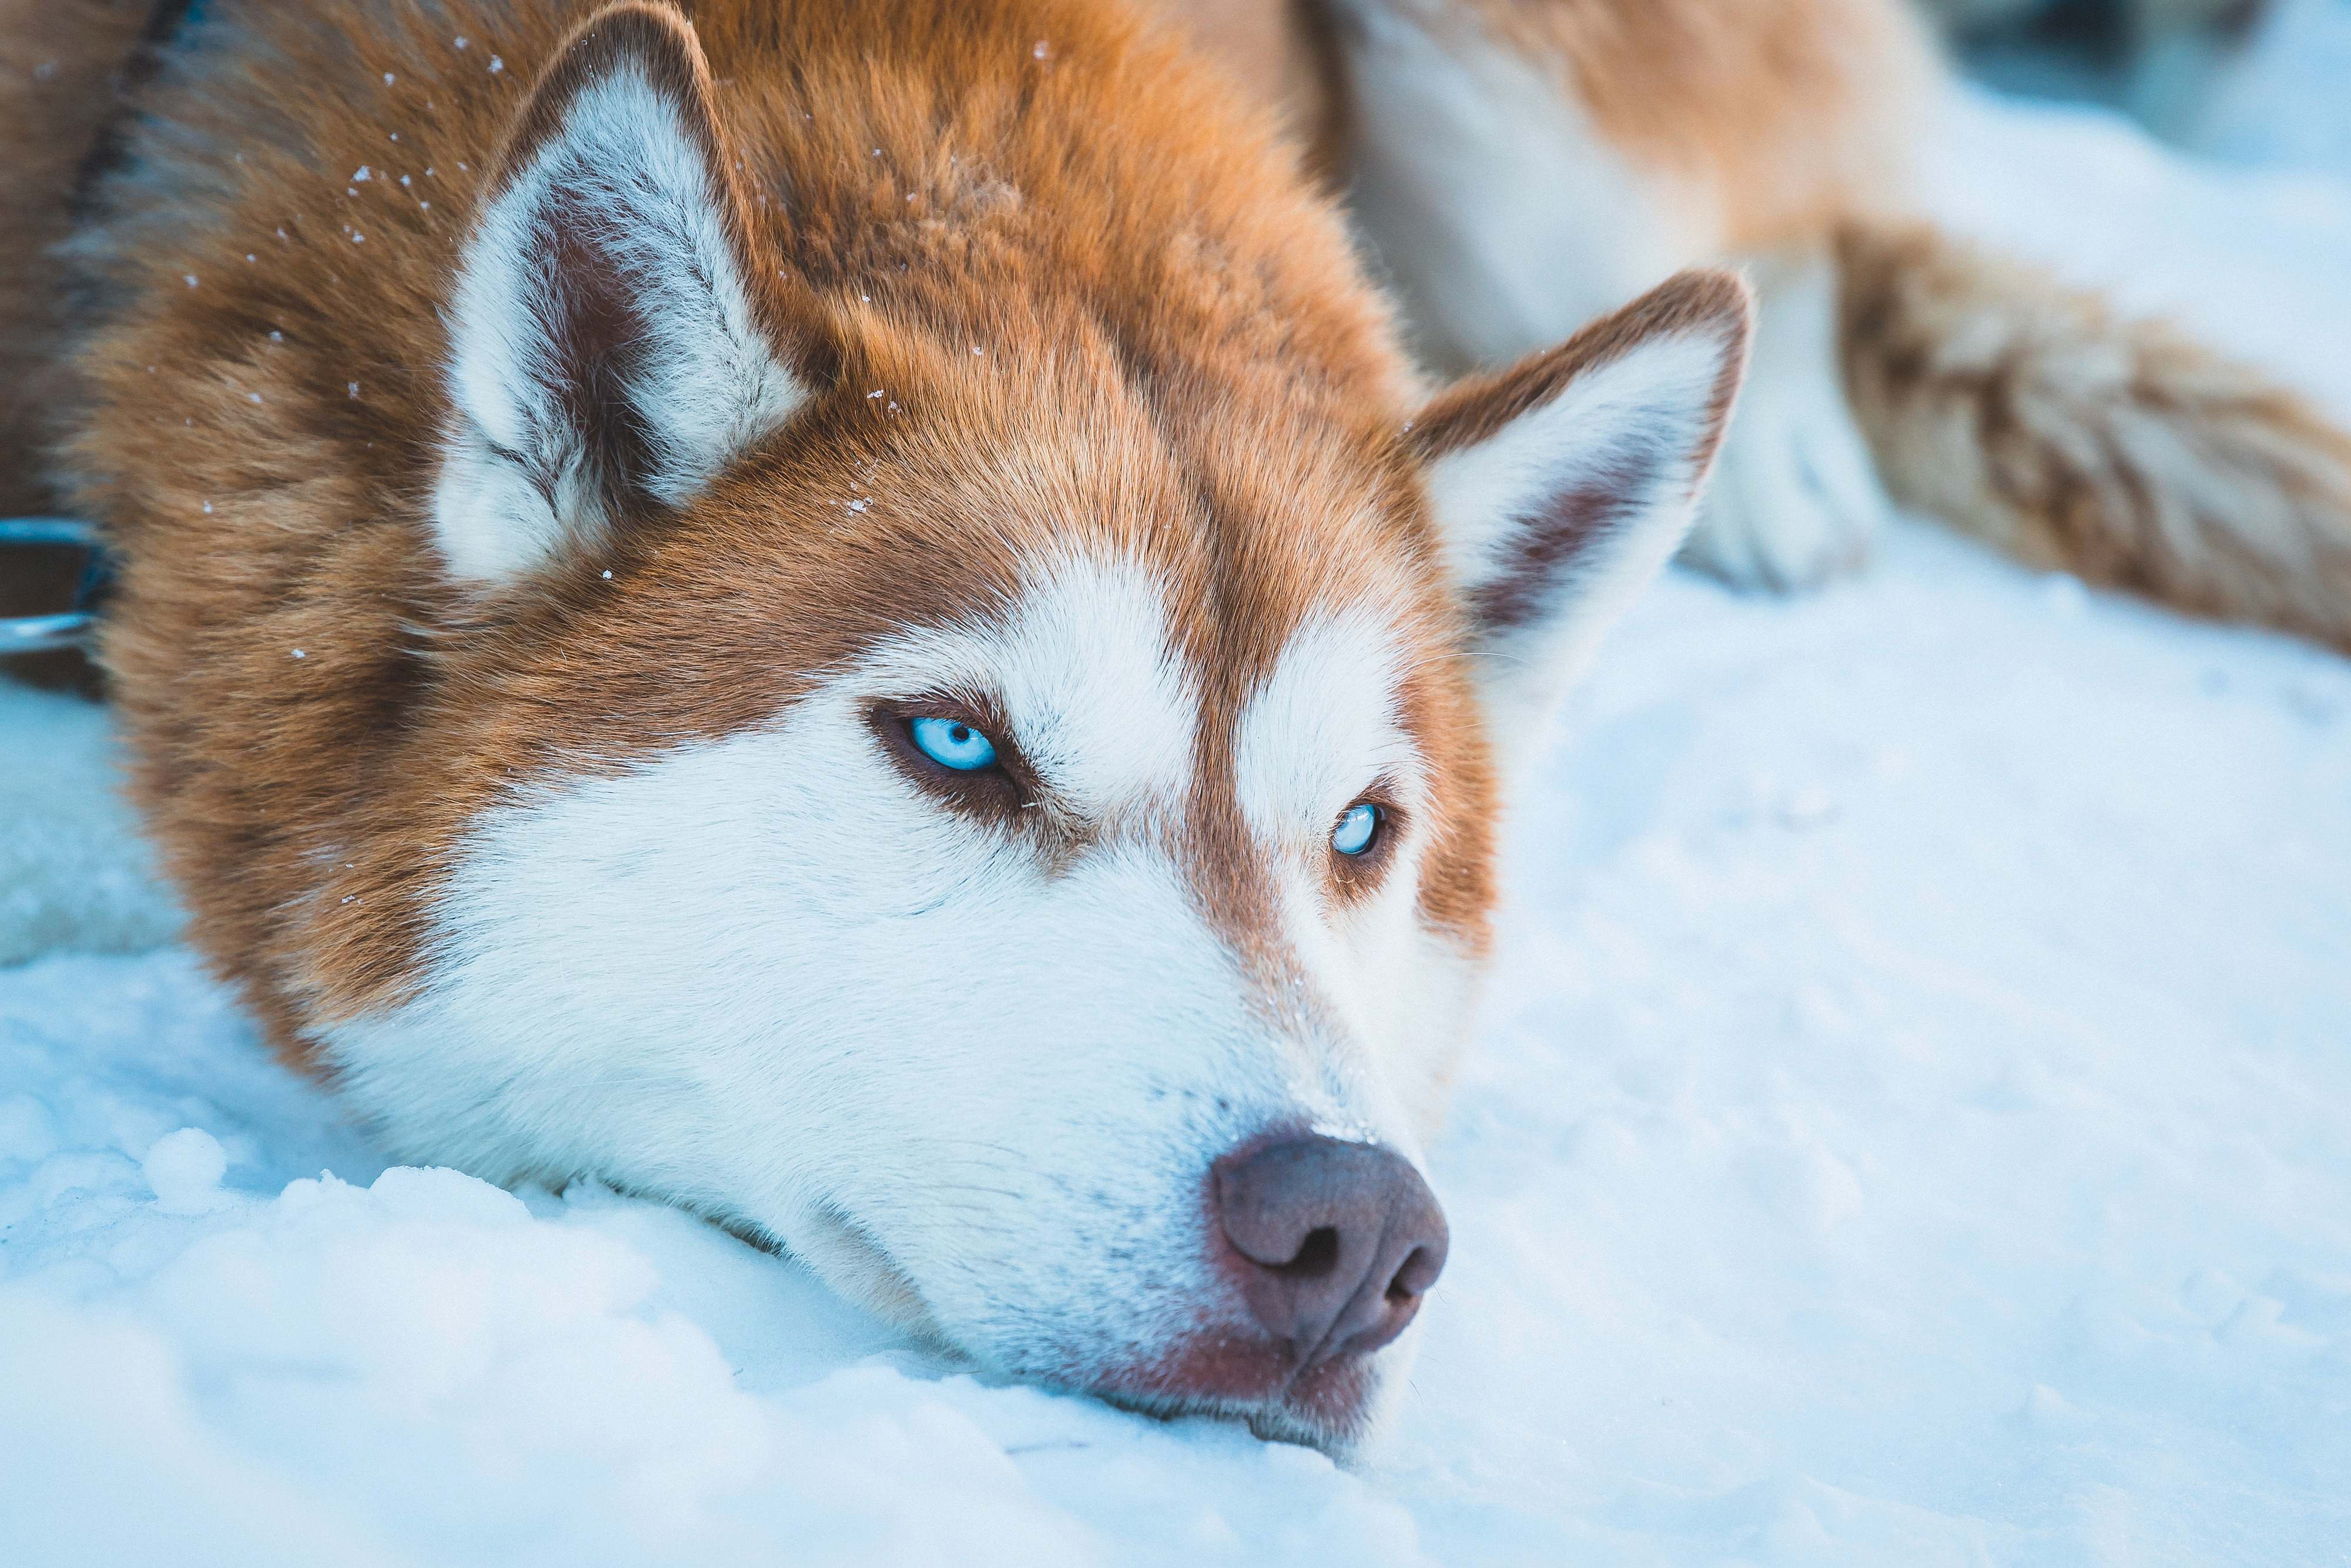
[
  {"x": 951, "y": 743},
  {"x": 1359, "y": 825}
]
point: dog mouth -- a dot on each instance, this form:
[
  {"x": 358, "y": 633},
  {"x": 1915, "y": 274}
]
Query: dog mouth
[
  {"x": 1327, "y": 1408},
  {"x": 1228, "y": 1375},
  {"x": 1326, "y": 1404},
  {"x": 1314, "y": 1387}
]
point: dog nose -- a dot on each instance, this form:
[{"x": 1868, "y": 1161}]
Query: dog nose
[{"x": 1339, "y": 1242}]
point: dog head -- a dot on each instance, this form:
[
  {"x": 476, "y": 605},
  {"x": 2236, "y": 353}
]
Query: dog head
[{"x": 989, "y": 798}]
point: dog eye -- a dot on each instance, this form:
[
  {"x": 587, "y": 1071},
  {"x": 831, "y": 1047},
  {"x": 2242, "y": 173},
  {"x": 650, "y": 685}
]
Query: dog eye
[
  {"x": 1358, "y": 828},
  {"x": 951, "y": 743}
]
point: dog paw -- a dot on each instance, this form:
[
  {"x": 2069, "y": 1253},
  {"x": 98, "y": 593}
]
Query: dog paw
[{"x": 1794, "y": 500}]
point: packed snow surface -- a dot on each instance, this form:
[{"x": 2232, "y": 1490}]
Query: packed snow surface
[{"x": 1912, "y": 1125}]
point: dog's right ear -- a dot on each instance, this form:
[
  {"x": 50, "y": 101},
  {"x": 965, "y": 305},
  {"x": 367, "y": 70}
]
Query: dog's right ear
[
  {"x": 613, "y": 343},
  {"x": 1562, "y": 485}
]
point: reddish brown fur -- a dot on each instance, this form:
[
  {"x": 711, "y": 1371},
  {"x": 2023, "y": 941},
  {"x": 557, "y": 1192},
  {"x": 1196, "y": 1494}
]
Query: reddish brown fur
[
  {"x": 64, "y": 72},
  {"x": 1135, "y": 257},
  {"x": 1473, "y": 411},
  {"x": 1279, "y": 55},
  {"x": 1770, "y": 128},
  {"x": 1788, "y": 115},
  {"x": 2118, "y": 450}
]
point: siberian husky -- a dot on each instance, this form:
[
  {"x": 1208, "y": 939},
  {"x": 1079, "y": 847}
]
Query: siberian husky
[{"x": 853, "y": 615}]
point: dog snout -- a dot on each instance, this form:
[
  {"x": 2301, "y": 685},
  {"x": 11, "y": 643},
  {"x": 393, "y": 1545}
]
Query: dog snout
[{"x": 1338, "y": 1242}]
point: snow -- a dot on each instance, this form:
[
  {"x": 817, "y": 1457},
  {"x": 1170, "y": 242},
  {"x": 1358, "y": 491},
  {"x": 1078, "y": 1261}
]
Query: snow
[
  {"x": 2254, "y": 260},
  {"x": 1908, "y": 1129},
  {"x": 184, "y": 1169},
  {"x": 73, "y": 871}
]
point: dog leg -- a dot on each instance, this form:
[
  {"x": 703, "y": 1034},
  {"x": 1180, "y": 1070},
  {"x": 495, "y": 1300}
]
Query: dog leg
[
  {"x": 1502, "y": 216},
  {"x": 1795, "y": 498}
]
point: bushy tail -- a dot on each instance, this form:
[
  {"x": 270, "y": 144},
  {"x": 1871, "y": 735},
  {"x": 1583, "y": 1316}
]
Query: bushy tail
[{"x": 2029, "y": 414}]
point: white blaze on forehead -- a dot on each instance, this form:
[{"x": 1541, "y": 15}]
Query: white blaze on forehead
[
  {"x": 1082, "y": 666},
  {"x": 1324, "y": 726}
]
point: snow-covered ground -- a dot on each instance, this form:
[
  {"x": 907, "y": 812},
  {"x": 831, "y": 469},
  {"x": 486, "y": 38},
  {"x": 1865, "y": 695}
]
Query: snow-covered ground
[{"x": 1913, "y": 1127}]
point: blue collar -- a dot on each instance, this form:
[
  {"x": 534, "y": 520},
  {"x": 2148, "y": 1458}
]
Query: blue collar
[{"x": 67, "y": 629}]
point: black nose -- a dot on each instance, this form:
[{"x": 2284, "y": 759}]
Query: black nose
[{"x": 1339, "y": 1242}]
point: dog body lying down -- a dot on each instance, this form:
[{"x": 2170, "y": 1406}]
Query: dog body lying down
[
  {"x": 1521, "y": 165},
  {"x": 853, "y": 615},
  {"x": 849, "y": 615}
]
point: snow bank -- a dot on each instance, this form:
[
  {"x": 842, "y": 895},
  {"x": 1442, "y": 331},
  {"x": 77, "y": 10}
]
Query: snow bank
[
  {"x": 1908, "y": 1129},
  {"x": 412, "y": 1365}
]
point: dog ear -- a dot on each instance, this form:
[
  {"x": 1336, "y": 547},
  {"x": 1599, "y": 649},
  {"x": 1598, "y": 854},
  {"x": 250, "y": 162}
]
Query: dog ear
[
  {"x": 1563, "y": 485},
  {"x": 613, "y": 340}
]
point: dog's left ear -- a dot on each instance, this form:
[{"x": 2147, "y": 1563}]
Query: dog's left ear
[
  {"x": 615, "y": 339},
  {"x": 1565, "y": 484}
]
